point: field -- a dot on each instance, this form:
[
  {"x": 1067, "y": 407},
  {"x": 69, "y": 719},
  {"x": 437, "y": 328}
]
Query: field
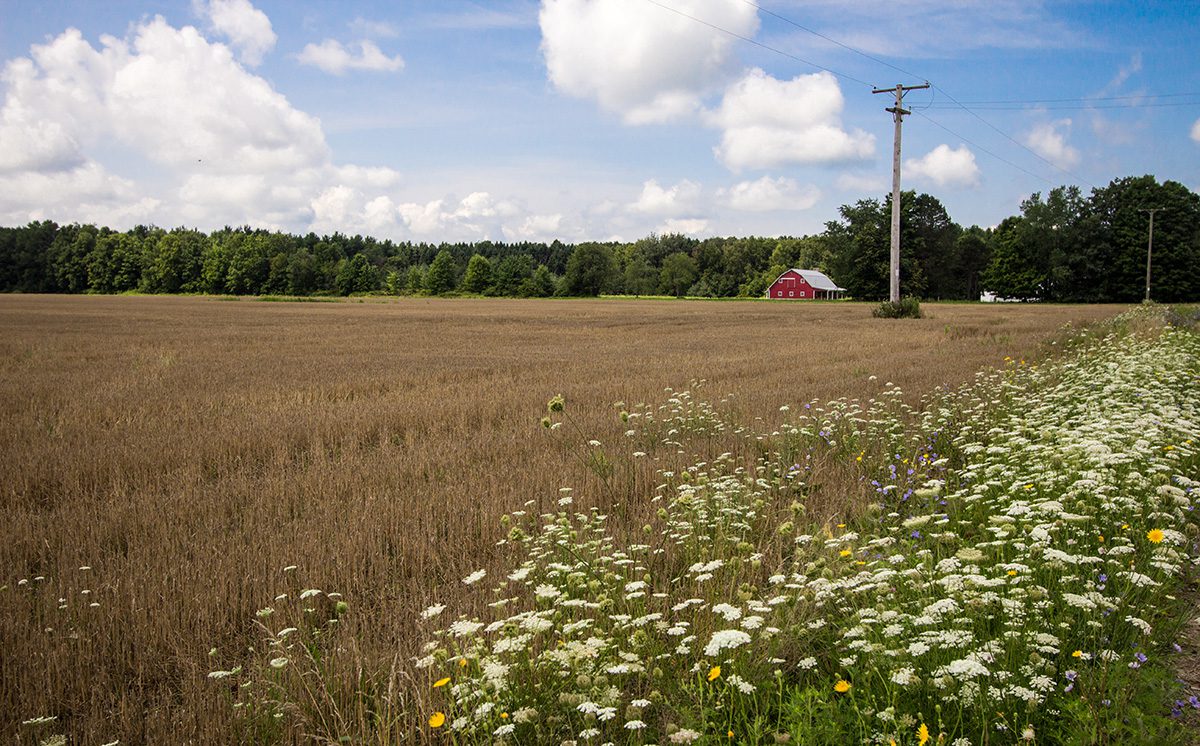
[{"x": 186, "y": 450}]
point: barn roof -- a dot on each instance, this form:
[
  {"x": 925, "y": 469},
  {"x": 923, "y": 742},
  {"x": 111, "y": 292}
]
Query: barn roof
[{"x": 818, "y": 280}]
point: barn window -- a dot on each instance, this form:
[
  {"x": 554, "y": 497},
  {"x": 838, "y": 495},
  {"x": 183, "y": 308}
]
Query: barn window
[
  {"x": 790, "y": 293},
  {"x": 802, "y": 294},
  {"x": 778, "y": 293}
]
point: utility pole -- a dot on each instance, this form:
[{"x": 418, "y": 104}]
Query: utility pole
[
  {"x": 898, "y": 112},
  {"x": 1150, "y": 245}
]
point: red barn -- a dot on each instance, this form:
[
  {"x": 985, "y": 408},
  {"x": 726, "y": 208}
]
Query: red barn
[{"x": 804, "y": 284}]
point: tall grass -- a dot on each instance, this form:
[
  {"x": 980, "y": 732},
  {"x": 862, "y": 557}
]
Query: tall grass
[{"x": 165, "y": 459}]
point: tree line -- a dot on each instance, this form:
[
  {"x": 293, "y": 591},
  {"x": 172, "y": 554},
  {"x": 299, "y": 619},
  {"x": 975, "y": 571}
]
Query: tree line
[{"x": 1061, "y": 247}]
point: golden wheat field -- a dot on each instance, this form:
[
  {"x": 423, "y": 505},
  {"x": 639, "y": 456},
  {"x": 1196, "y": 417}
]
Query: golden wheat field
[{"x": 163, "y": 459}]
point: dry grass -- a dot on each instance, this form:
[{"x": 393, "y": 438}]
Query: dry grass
[{"x": 188, "y": 449}]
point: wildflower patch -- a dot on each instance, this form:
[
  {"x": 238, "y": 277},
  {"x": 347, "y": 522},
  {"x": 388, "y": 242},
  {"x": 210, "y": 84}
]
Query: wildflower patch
[{"x": 1013, "y": 580}]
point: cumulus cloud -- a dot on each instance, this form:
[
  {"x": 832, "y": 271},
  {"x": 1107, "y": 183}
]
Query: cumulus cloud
[
  {"x": 536, "y": 228},
  {"x": 680, "y": 199},
  {"x": 638, "y": 59},
  {"x": 1049, "y": 142},
  {"x": 945, "y": 166},
  {"x": 686, "y": 226},
  {"x": 247, "y": 28},
  {"x": 768, "y": 122},
  {"x": 73, "y": 114},
  {"x": 335, "y": 58},
  {"x": 477, "y": 216},
  {"x": 767, "y": 194}
]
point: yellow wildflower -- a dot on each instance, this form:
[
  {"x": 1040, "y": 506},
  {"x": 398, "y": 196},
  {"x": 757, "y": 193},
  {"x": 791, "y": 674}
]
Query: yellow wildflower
[
  {"x": 842, "y": 686},
  {"x": 441, "y": 682},
  {"x": 1155, "y": 535},
  {"x": 437, "y": 720},
  {"x": 714, "y": 673},
  {"x": 846, "y": 553},
  {"x": 922, "y": 735},
  {"x": 1077, "y": 654}
]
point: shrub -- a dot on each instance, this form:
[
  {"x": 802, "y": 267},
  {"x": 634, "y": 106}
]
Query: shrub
[{"x": 906, "y": 308}]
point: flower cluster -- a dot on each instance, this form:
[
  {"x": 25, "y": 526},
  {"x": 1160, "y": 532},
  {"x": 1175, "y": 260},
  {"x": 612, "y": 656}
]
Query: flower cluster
[{"x": 1026, "y": 535}]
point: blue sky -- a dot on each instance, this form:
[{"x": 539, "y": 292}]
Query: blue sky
[{"x": 578, "y": 119}]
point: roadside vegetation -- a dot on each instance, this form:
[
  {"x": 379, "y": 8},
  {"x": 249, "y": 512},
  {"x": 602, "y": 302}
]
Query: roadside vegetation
[{"x": 202, "y": 550}]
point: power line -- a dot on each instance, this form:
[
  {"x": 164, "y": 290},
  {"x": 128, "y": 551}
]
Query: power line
[
  {"x": 982, "y": 149},
  {"x": 1084, "y": 99},
  {"x": 1076, "y": 107},
  {"x": 831, "y": 40},
  {"x": 1020, "y": 145},
  {"x": 756, "y": 43},
  {"x": 956, "y": 103}
]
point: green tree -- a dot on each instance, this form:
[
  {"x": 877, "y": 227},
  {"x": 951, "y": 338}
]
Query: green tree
[
  {"x": 1034, "y": 255},
  {"x": 357, "y": 275},
  {"x": 678, "y": 273},
  {"x": 440, "y": 277},
  {"x": 173, "y": 264},
  {"x": 512, "y": 274},
  {"x": 541, "y": 284},
  {"x": 67, "y": 262},
  {"x": 415, "y": 283},
  {"x": 1114, "y": 232},
  {"x": 590, "y": 270},
  {"x": 478, "y": 278},
  {"x": 640, "y": 278}
]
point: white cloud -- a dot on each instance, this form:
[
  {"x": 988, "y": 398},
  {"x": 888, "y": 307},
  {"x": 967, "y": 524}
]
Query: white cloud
[
  {"x": 477, "y": 216},
  {"x": 767, "y": 194},
  {"x": 945, "y": 166},
  {"x": 637, "y": 59},
  {"x": 334, "y": 58},
  {"x": 769, "y": 122},
  {"x": 1196, "y": 131},
  {"x": 247, "y": 28},
  {"x": 86, "y": 119},
  {"x": 1047, "y": 141},
  {"x": 536, "y": 228},
  {"x": 688, "y": 226},
  {"x": 86, "y": 193},
  {"x": 680, "y": 199}
]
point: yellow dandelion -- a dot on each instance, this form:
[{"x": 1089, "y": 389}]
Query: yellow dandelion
[
  {"x": 1155, "y": 535},
  {"x": 1101, "y": 539},
  {"x": 729, "y": 734},
  {"x": 841, "y": 525},
  {"x": 462, "y": 662},
  {"x": 922, "y": 735},
  {"x": 1012, "y": 573},
  {"x": 504, "y": 716},
  {"x": 1124, "y": 526},
  {"x": 1077, "y": 654},
  {"x": 714, "y": 673},
  {"x": 441, "y": 682},
  {"x": 437, "y": 720},
  {"x": 846, "y": 553},
  {"x": 1029, "y": 486},
  {"x": 842, "y": 686}
]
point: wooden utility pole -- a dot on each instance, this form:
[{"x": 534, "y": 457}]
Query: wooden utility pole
[
  {"x": 1150, "y": 245},
  {"x": 898, "y": 111}
]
